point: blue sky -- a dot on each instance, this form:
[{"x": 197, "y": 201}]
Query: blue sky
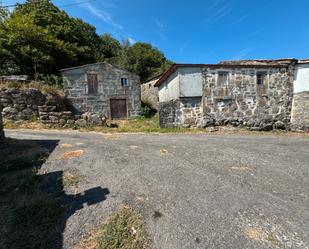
[{"x": 203, "y": 31}]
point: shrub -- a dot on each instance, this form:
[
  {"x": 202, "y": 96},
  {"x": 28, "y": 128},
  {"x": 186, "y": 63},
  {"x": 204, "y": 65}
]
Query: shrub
[{"x": 147, "y": 111}]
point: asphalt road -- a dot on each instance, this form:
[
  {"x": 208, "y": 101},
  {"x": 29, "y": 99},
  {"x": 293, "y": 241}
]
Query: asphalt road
[{"x": 194, "y": 191}]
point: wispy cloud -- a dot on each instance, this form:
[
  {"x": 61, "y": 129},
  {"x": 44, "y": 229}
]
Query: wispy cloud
[
  {"x": 222, "y": 12},
  {"x": 131, "y": 40},
  {"x": 103, "y": 15},
  {"x": 161, "y": 27},
  {"x": 242, "y": 54},
  {"x": 217, "y": 11}
]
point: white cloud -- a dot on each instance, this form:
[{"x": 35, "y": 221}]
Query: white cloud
[
  {"x": 161, "y": 27},
  {"x": 106, "y": 17},
  {"x": 131, "y": 40}
]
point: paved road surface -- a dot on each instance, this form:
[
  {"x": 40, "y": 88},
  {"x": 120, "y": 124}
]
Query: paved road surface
[{"x": 195, "y": 191}]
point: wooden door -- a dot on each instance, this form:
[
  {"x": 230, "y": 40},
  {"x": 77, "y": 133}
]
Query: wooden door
[{"x": 118, "y": 108}]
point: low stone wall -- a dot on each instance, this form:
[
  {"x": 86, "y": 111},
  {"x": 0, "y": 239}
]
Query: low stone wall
[
  {"x": 21, "y": 104},
  {"x": 66, "y": 119},
  {"x": 1, "y": 126},
  {"x": 300, "y": 112}
]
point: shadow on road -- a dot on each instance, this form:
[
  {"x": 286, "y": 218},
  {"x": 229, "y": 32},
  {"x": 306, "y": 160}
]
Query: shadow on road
[{"x": 35, "y": 207}]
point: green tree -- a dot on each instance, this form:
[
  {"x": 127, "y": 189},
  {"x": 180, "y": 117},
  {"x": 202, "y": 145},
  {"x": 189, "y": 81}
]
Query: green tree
[
  {"x": 43, "y": 39},
  {"x": 110, "y": 47},
  {"x": 142, "y": 59}
]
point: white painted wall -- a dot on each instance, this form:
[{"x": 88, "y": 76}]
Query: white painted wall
[
  {"x": 169, "y": 90},
  {"x": 190, "y": 81},
  {"x": 301, "y": 81}
]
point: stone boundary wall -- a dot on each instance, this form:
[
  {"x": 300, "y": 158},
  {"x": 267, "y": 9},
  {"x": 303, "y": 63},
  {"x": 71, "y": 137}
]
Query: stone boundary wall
[
  {"x": 21, "y": 104},
  {"x": 31, "y": 104},
  {"x": 300, "y": 112},
  {"x": 66, "y": 119}
]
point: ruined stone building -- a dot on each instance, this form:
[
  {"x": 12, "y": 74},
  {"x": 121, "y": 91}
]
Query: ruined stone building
[
  {"x": 150, "y": 93},
  {"x": 261, "y": 94},
  {"x": 104, "y": 89}
]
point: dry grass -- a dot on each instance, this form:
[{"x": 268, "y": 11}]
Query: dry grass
[
  {"x": 123, "y": 230},
  {"x": 72, "y": 154},
  {"x": 151, "y": 125},
  {"x": 72, "y": 179},
  {"x": 44, "y": 88}
]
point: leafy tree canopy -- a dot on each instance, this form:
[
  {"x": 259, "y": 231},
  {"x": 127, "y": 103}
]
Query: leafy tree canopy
[{"x": 39, "y": 38}]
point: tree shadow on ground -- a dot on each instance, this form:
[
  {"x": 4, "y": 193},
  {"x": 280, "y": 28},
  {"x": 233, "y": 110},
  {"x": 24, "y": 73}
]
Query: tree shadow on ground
[{"x": 34, "y": 206}]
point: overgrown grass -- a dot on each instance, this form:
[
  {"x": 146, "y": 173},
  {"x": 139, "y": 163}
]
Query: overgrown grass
[
  {"x": 141, "y": 124},
  {"x": 150, "y": 125},
  {"x": 41, "y": 86},
  {"x": 123, "y": 230}
]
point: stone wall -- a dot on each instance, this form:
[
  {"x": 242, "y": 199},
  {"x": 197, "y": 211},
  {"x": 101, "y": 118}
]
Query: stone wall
[
  {"x": 109, "y": 87},
  {"x": 66, "y": 119},
  {"x": 1, "y": 126},
  {"x": 185, "y": 112},
  {"x": 300, "y": 112},
  {"x": 239, "y": 103},
  {"x": 21, "y": 104},
  {"x": 150, "y": 93},
  {"x": 245, "y": 103}
]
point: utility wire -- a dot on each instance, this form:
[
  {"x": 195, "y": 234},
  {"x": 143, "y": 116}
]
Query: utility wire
[{"x": 61, "y": 6}]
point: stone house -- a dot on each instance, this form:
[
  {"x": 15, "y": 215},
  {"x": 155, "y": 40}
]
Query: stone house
[
  {"x": 104, "y": 89},
  {"x": 254, "y": 93}
]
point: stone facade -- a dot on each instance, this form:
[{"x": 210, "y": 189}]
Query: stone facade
[
  {"x": 243, "y": 102},
  {"x": 108, "y": 86},
  {"x": 150, "y": 93},
  {"x": 1, "y": 126},
  {"x": 256, "y": 95},
  {"x": 300, "y": 112},
  {"x": 185, "y": 112}
]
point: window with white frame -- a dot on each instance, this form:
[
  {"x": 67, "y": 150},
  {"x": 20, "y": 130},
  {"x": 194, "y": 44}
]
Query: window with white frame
[{"x": 124, "y": 82}]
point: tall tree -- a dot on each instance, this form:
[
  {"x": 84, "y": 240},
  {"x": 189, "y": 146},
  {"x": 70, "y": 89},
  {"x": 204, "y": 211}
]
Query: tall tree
[
  {"x": 142, "y": 59},
  {"x": 44, "y": 39}
]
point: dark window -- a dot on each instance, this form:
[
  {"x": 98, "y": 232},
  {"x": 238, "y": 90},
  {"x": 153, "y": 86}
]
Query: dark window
[
  {"x": 223, "y": 78},
  {"x": 124, "y": 82},
  {"x": 92, "y": 81},
  {"x": 260, "y": 78}
]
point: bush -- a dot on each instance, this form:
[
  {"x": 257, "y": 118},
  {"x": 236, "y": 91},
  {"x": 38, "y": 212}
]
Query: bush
[
  {"x": 147, "y": 111},
  {"x": 52, "y": 80}
]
